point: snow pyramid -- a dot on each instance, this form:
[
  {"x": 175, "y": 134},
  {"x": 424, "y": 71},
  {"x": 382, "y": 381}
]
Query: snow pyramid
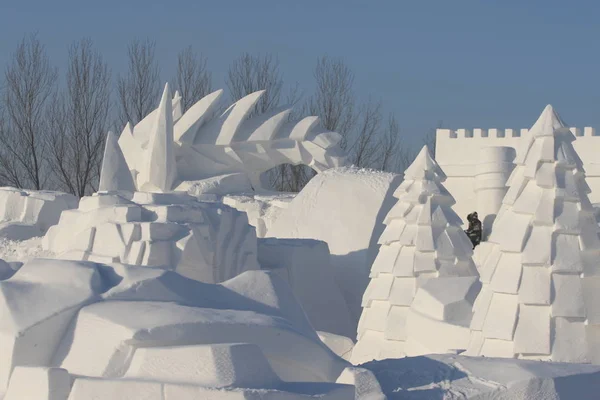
[
  {"x": 422, "y": 240},
  {"x": 169, "y": 148},
  {"x": 541, "y": 278}
]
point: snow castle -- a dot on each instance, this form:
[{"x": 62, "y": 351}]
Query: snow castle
[{"x": 477, "y": 163}]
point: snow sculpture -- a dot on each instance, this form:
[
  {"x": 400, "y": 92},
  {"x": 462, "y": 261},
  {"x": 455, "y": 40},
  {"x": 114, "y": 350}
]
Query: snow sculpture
[
  {"x": 167, "y": 148},
  {"x": 345, "y": 208},
  {"x": 492, "y": 172},
  {"x": 209, "y": 242},
  {"x": 541, "y": 277},
  {"x": 28, "y": 213},
  {"x": 422, "y": 240},
  {"x": 125, "y": 332},
  {"x": 114, "y": 174}
]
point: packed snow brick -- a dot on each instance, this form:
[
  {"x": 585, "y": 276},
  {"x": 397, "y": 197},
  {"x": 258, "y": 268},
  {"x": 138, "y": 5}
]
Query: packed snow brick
[
  {"x": 203, "y": 241},
  {"x": 537, "y": 300},
  {"x": 343, "y": 207},
  {"x": 423, "y": 275}
]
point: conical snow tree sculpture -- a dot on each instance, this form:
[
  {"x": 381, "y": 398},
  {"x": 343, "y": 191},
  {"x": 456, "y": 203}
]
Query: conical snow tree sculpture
[
  {"x": 423, "y": 239},
  {"x": 541, "y": 277}
]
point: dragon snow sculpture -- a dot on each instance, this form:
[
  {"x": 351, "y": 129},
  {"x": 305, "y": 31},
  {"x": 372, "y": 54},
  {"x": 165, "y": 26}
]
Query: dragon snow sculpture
[{"x": 168, "y": 146}]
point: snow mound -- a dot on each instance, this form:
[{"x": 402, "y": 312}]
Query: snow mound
[
  {"x": 28, "y": 213},
  {"x": 217, "y": 185},
  {"x": 540, "y": 273},
  {"x": 305, "y": 265},
  {"x": 117, "y": 326},
  {"x": 343, "y": 207},
  {"x": 421, "y": 244},
  {"x": 458, "y": 377},
  {"x": 204, "y": 241}
]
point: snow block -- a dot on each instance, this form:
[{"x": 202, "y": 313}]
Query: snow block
[
  {"x": 38, "y": 383},
  {"x": 37, "y": 304},
  {"x": 293, "y": 356},
  {"x": 222, "y": 365}
]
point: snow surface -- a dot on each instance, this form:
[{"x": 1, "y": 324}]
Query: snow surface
[
  {"x": 451, "y": 377},
  {"x": 343, "y": 207}
]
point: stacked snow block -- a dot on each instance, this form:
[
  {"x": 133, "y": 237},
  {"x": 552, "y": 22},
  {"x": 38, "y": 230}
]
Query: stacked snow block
[
  {"x": 540, "y": 275},
  {"x": 28, "y": 213},
  {"x": 118, "y": 331},
  {"x": 422, "y": 241},
  {"x": 204, "y": 241}
]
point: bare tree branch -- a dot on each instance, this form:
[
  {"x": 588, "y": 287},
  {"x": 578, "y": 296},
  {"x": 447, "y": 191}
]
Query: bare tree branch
[
  {"x": 249, "y": 73},
  {"x": 79, "y": 120},
  {"x": 140, "y": 89},
  {"x": 193, "y": 79},
  {"x": 29, "y": 83}
]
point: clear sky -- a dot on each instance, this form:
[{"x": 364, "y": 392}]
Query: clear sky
[{"x": 466, "y": 63}]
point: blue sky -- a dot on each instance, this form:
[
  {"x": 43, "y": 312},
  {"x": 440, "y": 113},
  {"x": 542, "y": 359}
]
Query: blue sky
[{"x": 466, "y": 63}]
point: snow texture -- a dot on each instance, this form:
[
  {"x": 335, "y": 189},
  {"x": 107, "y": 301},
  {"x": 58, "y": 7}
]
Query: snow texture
[
  {"x": 168, "y": 148},
  {"x": 343, "y": 207},
  {"x": 540, "y": 270},
  {"x": 208, "y": 242},
  {"x": 262, "y": 209},
  {"x": 116, "y": 327},
  {"x": 448, "y": 377},
  {"x": 423, "y": 281}
]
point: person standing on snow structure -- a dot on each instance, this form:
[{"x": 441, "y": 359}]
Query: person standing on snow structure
[{"x": 474, "y": 230}]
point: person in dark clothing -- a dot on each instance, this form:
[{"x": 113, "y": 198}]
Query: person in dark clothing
[{"x": 474, "y": 230}]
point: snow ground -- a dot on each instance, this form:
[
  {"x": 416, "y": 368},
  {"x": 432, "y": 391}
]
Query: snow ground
[{"x": 23, "y": 250}]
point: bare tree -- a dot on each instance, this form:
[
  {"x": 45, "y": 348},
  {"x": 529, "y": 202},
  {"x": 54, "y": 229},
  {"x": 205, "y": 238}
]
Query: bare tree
[
  {"x": 364, "y": 149},
  {"x": 79, "y": 120},
  {"x": 334, "y": 100},
  {"x": 139, "y": 90},
  {"x": 193, "y": 79},
  {"x": 29, "y": 82},
  {"x": 250, "y": 73}
]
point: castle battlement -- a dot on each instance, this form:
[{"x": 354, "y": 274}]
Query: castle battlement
[
  {"x": 478, "y": 133},
  {"x": 462, "y": 153}
]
